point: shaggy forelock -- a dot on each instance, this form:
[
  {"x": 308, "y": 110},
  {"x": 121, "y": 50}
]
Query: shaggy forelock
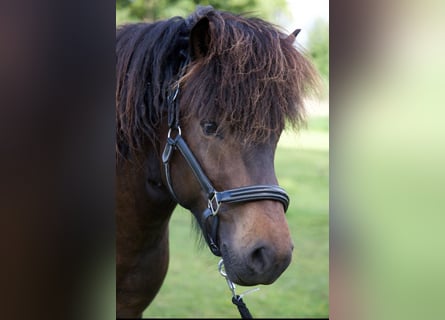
[{"x": 252, "y": 79}]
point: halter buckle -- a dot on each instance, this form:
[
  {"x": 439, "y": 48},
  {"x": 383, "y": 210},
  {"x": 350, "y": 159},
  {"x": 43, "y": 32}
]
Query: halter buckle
[
  {"x": 214, "y": 204},
  {"x": 172, "y": 97}
]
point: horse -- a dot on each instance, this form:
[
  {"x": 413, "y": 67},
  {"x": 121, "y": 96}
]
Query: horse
[{"x": 201, "y": 102}]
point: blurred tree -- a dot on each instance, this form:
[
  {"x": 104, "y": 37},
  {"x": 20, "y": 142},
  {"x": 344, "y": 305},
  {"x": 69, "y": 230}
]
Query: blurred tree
[
  {"x": 150, "y": 10},
  {"x": 318, "y": 46}
]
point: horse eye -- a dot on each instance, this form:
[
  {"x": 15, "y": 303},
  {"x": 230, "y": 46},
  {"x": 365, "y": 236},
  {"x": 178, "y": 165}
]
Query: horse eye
[{"x": 209, "y": 127}]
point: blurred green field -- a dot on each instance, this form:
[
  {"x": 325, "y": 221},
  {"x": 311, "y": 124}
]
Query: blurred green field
[{"x": 193, "y": 287}]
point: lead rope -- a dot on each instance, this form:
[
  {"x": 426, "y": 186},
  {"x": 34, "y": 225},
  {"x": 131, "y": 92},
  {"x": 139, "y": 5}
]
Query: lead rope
[{"x": 236, "y": 299}]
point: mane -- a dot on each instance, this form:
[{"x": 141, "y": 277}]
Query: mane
[
  {"x": 146, "y": 63},
  {"x": 252, "y": 79}
]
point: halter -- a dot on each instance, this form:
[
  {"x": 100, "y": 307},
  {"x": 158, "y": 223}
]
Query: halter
[{"x": 215, "y": 198}]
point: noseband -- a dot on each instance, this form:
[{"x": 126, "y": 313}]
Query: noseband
[{"x": 209, "y": 220}]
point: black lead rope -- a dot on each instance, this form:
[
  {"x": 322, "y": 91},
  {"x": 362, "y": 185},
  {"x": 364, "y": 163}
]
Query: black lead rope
[
  {"x": 236, "y": 299},
  {"x": 242, "y": 308}
]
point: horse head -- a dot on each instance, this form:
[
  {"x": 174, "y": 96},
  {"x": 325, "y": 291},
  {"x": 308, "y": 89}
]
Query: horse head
[{"x": 241, "y": 80}]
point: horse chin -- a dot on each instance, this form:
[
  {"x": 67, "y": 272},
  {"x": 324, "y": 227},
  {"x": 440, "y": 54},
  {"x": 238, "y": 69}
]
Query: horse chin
[{"x": 239, "y": 272}]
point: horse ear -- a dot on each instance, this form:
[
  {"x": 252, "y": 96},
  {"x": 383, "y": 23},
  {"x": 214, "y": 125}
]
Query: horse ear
[
  {"x": 294, "y": 35},
  {"x": 200, "y": 39},
  {"x": 296, "y": 32}
]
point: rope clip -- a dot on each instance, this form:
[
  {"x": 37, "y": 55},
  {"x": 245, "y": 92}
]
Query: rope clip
[{"x": 231, "y": 285}]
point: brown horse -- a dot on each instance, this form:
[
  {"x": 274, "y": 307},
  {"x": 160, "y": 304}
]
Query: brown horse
[{"x": 200, "y": 105}]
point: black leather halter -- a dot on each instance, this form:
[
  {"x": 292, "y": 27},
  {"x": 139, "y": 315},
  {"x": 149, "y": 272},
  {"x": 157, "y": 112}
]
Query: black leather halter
[{"x": 175, "y": 141}]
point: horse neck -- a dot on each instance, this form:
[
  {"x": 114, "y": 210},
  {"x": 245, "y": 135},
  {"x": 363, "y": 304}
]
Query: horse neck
[
  {"x": 144, "y": 205},
  {"x": 143, "y": 211}
]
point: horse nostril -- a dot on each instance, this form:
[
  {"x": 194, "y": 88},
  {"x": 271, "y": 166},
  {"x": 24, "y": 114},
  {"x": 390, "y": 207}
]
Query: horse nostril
[
  {"x": 263, "y": 259},
  {"x": 259, "y": 259}
]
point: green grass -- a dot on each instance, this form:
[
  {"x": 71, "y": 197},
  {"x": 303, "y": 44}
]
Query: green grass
[{"x": 193, "y": 287}]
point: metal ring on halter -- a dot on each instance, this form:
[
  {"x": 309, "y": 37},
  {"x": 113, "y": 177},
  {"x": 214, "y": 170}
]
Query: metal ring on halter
[{"x": 178, "y": 128}]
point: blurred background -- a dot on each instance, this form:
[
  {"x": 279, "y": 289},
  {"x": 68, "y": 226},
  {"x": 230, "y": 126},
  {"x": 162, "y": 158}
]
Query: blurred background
[{"x": 193, "y": 286}]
